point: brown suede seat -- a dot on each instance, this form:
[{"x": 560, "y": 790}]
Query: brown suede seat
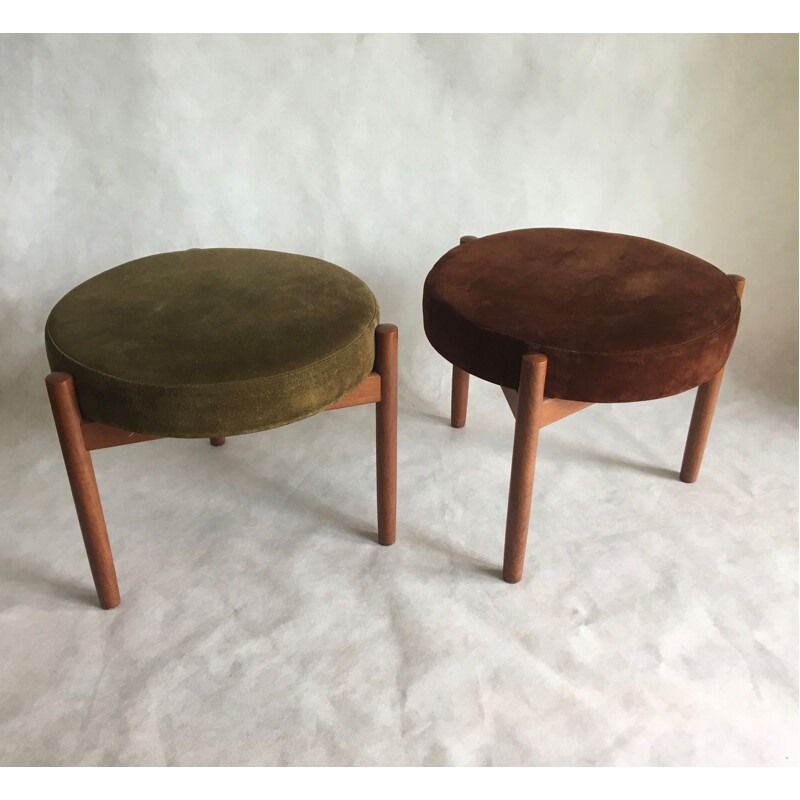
[
  {"x": 203, "y": 343},
  {"x": 620, "y": 318}
]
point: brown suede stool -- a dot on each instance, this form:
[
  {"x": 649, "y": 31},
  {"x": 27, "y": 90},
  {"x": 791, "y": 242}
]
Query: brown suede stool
[{"x": 561, "y": 319}]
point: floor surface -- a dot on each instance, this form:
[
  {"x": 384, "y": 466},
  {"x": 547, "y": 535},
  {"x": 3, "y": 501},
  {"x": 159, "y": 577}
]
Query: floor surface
[{"x": 261, "y": 623}]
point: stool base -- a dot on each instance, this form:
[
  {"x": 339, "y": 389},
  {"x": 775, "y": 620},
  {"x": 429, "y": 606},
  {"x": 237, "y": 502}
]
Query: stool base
[
  {"x": 79, "y": 436},
  {"x": 533, "y": 410}
]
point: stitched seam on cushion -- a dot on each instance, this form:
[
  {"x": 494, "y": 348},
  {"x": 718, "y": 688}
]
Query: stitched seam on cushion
[
  {"x": 175, "y": 386},
  {"x": 596, "y": 352}
]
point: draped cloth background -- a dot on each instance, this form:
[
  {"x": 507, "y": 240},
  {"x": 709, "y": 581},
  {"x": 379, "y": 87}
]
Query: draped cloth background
[{"x": 260, "y": 621}]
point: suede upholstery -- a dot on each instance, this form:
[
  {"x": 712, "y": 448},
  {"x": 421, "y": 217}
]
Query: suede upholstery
[
  {"x": 201, "y": 343},
  {"x": 619, "y": 318}
]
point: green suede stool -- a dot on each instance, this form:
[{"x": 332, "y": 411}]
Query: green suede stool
[{"x": 209, "y": 344}]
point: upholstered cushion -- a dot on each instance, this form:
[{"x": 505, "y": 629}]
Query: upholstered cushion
[
  {"x": 213, "y": 342},
  {"x": 619, "y": 318}
]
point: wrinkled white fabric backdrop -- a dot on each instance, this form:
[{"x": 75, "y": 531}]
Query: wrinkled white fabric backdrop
[{"x": 261, "y": 623}]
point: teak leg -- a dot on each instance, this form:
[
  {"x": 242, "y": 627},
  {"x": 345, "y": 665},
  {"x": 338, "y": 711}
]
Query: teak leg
[
  {"x": 704, "y": 403},
  {"x": 460, "y": 385},
  {"x": 458, "y": 400},
  {"x": 386, "y": 431},
  {"x": 67, "y": 416},
  {"x": 523, "y": 463},
  {"x": 217, "y": 441},
  {"x": 702, "y": 414}
]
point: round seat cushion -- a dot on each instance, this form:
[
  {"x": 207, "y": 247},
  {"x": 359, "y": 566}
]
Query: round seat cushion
[
  {"x": 213, "y": 342},
  {"x": 619, "y": 318}
]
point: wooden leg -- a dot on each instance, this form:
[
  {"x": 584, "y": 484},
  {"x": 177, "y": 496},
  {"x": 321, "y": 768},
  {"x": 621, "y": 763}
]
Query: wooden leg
[
  {"x": 386, "y": 431},
  {"x": 702, "y": 414},
  {"x": 460, "y": 386},
  {"x": 217, "y": 441},
  {"x": 67, "y": 416},
  {"x": 458, "y": 400},
  {"x": 523, "y": 463}
]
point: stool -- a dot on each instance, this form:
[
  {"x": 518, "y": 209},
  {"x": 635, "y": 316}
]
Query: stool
[
  {"x": 561, "y": 319},
  {"x": 208, "y": 344}
]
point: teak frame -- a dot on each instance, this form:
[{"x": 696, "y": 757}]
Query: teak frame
[
  {"x": 78, "y": 436},
  {"x": 533, "y": 410}
]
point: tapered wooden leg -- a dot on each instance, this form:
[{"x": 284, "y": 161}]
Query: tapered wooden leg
[
  {"x": 67, "y": 416},
  {"x": 523, "y": 463},
  {"x": 458, "y": 400},
  {"x": 386, "y": 431},
  {"x": 704, "y": 404},
  {"x": 217, "y": 441},
  {"x": 460, "y": 386}
]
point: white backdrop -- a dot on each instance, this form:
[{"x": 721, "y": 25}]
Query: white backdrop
[{"x": 376, "y": 152}]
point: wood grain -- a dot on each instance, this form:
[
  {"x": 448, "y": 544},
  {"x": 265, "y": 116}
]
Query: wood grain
[
  {"x": 459, "y": 392},
  {"x": 386, "y": 431},
  {"x": 523, "y": 463},
  {"x": 368, "y": 391},
  {"x": 98, "y": 436},
  {"x": 67, "y": 417},
  {"x": 459, "y": 397},
  {"x": 553, "y": 409}
]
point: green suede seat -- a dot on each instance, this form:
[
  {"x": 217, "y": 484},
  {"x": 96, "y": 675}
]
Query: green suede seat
[{"x": 218, "y": 342}]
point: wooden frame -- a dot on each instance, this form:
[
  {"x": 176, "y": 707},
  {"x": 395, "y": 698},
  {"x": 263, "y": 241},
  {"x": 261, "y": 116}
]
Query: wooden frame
[
  {"x": 533, "y": 410},
  {"x": 79, "y": 436}
]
